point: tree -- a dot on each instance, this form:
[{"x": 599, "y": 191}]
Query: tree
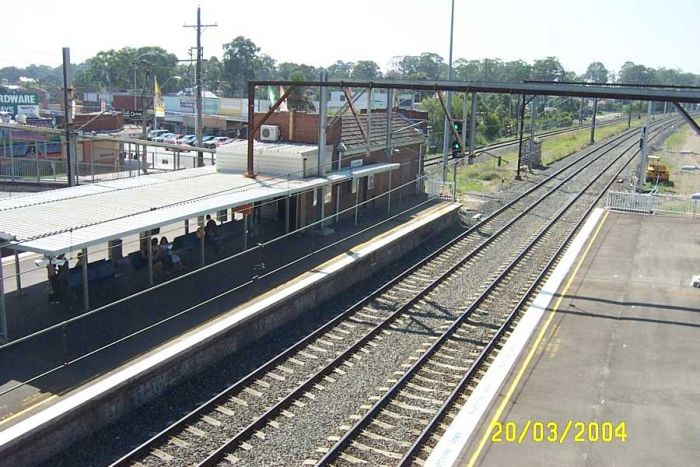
[
  {"x": 287, "y": 70},
  {"x": 340, "y": 70},
  {"x": 366, "y": 69},
  {"x": 630, "y": 73},
  {"x": 10, "y": 74},
  {"x": 266, "y": 67},
  {"x": 596, "y": 73},
  {"x": 516, "y": 71},
  {"x": 116, "y": 69},
  {"x": 213, "y": 75},
  {"x": 548, "y": 69},
  {"x": 239, "y": 64},
  {"x": 467, "y": 70},
  {"x": 427, "y": 65},
  {"x": 300, "y": 98}
]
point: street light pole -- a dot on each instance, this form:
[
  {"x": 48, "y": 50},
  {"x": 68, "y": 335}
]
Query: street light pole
[
  {"x": 446, "y": 140},
  {"x": 67, "y": 115},
  {"x": 136, "y": 62}
]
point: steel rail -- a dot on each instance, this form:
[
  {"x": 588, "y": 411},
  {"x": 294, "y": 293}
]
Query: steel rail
[
  {"x": 334, "y": 452},
  {"x": 179, "y": 425},
  {"x": 261, "y": 421},
  {"x": 420, "y": 441}
]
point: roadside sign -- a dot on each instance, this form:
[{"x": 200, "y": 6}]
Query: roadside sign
[{"x": 20, "y": 104}]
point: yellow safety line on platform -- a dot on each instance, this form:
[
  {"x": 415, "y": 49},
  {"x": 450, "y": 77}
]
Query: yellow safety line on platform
[
  {"x": 526, "y": 363},
  {"x": 22, "y": 412}
]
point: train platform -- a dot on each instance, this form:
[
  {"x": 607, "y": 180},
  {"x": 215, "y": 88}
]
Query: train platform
[
  {"x": 609, "y": 375},
  {"x": 177, "y": 346}
]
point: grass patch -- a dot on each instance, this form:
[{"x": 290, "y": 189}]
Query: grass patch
[
  {"x": 484, "y": 177},
  {"x": 674, "y": 142},
  {"x": 663, "y": 187},
  {"x": 560, "y": 146}
]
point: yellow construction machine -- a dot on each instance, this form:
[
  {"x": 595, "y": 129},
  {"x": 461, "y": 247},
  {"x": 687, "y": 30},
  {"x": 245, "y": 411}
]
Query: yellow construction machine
[{"x": 656, "y": 171}]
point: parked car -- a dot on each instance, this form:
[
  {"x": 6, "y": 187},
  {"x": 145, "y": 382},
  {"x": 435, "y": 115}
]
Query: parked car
[
  {"x": 185, "y": 147},
  {"x": 188, "y": 139},
  {"x": 161, "y": 138},
  {"x": 155, "y": 133},
  {"x": 218, "y": 141},
  {"x": 171, "y": 139}
]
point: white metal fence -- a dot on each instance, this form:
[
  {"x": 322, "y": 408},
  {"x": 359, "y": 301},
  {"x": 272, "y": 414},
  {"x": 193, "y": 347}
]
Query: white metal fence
[
  {"x": 653, "y": 204},
  {"x": 435, "y": 187},
  {"x": 35, "y": 169}
]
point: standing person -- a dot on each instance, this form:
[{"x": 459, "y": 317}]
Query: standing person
[
  {"x": 211, "y": 231},
  {"x": 62, "y": 277},
  {"x": 81, "y": 258},
  {"x": 157, "y": 257},
  {"x": 52, "y": 275}
]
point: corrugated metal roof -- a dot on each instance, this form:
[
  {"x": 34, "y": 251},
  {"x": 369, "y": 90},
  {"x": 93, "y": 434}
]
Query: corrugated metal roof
[
  {"x": 402, "y": 131},
  {"x": 72, "y": 218},
  {"x": 372, "y": 169},
  {"x": 268, "y": 147}
]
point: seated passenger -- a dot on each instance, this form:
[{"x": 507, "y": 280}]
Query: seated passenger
[{"x": 167, "y": 252}]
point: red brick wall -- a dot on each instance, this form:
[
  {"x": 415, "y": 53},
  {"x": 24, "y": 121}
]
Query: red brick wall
[{"x": 304, "y": 128}]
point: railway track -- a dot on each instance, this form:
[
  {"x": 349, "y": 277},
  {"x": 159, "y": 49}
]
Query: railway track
[
  {"x": 430, "y": 161},
  {"x": 227, "y": 426},
  {"x": 432, "y": 385}
]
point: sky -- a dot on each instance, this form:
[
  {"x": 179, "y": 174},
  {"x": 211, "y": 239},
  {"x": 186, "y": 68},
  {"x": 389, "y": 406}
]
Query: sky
[{"x": 649, "y": 32}]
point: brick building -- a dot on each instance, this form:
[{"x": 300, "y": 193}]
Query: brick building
[{"x": 348, "y": 150}]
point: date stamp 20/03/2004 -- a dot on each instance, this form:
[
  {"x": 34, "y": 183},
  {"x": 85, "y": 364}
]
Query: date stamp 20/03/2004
[{"x": 537, "y": 431}]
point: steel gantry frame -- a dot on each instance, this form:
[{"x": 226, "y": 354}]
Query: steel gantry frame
[{"x": 654, "y": 93}]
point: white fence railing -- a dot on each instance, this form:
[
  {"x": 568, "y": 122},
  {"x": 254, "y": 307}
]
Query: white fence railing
[
  {"x": 35, "y": 169},
  {"x": 439, "y": 189},
  {"x": 652, "y": 204}
]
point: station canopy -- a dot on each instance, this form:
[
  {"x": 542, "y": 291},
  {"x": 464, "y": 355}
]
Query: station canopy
[{"x": 65, "y": 220}]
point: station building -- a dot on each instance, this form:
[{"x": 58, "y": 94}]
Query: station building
[{"x": 293, "y": 189}]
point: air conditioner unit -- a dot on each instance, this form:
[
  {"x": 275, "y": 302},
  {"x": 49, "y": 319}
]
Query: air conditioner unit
[{"x": 269, "y": 133}]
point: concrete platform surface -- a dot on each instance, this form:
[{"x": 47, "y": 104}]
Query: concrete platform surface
[
  {"x": 47, "y": 352},
  {"x": 32, "y": 435},
  {"x": 623, "y": 346}
]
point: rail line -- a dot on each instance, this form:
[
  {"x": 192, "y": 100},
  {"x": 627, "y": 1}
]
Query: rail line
[
  {"x": 411, "y": 402},
  {"x": 430, "y": 161},
  {"x": 268, "y": 392}
]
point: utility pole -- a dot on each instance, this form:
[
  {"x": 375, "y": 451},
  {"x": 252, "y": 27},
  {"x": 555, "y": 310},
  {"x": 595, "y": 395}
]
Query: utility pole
[
  {"x": 198, "y": 85},
  {"x": 448, "y": 115},
  {"x": 595, "y": 111},
  {"x": 533, "y": 119},
  {"x": 520, "y": 139},
  {"x": 68, "y": 113},
  {"x": 472, "y": 128},
  {"x": 643, "y": 153},
  {"x": 629, "y": 114},
  {"x": 144, "y": 129}
]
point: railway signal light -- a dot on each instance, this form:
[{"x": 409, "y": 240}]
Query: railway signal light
[{"x": 456, "y": 146}]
